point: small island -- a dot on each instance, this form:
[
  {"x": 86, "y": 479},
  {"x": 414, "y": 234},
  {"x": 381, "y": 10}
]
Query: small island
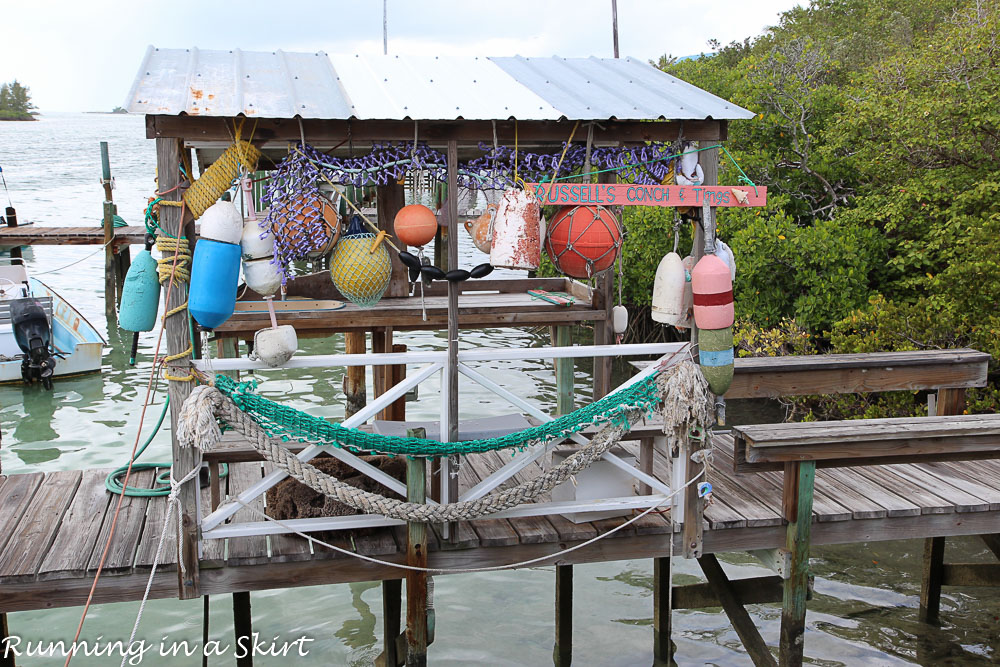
[{"x": 15, "y": 102}]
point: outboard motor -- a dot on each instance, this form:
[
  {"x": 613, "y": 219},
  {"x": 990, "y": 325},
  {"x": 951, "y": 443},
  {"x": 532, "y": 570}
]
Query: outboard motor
[{"x": 33, "y": 336}]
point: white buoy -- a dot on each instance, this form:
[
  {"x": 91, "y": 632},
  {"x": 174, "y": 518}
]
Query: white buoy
[
  {"x": 274, "y": 346},
  {"x": 619, "y": 319},
  {"x": 725, "y": 253},
  {"x": 668, "y": 290},
  {"x": 259, "y": 270}
]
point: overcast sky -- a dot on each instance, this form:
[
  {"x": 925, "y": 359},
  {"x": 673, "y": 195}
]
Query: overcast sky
[{"x": 83, "y": 56}]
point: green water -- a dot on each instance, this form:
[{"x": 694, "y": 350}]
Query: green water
[{"x": 865, "y": 605}]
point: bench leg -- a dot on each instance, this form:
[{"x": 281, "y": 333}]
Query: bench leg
[{"x": 798, "y": 502}]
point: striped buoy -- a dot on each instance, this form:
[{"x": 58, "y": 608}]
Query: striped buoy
[
  {"x": 715, "y": 356},
  {"x": 712, "y": 288}
]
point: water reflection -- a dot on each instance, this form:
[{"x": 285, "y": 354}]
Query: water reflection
[{"x": 359, "y": 632}]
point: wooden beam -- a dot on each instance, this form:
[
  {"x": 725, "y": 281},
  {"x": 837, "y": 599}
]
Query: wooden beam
[
  {"x": 737, "y": 613},
  {"x": 437, "y": 133},
  {"x": 562, "y": 653},
  {"x": 992, "y": 543},
  {"x": 753, "y": 590},
  {"x": 185, "y": 459},
  {"x": 797, "y": 504}
]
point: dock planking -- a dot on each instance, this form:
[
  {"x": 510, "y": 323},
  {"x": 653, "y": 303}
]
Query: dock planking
[{"x": 58, "y": 523}]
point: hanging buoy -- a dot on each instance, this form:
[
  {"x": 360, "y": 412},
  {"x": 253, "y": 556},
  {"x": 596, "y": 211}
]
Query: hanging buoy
[
  {"x": 304, "y": 226},
  {"x": 260, "y": 272},
  {"x": 725, "y": 253},
  {"x": 481, "y": 229},
  {"x": 140, "y": 293},
  {"x": 715, "y": 356},
  {"x": 215, "y": 269},
  {"x": 712, "y": 287},
  {"x": 516, "y": 243},
  {"x": 359, "y": 271},
  {"x": 687, "y": 306},
  {"x": 619, "y": 319},
  {"x": 583, "y": 241},
  {"x": 668, "y": 290},
  {"x": 274, "y": 346},
  {"x": 689, "y": 172},
  {"x": 415, "y": 225}
]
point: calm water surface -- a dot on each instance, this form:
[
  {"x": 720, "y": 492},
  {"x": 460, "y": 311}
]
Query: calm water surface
[{"x": 864, "y": 611}]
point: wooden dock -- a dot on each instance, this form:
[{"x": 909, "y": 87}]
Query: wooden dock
[
  {"x": 58, "y": 523},
  {"x": 38, "y": 235}
]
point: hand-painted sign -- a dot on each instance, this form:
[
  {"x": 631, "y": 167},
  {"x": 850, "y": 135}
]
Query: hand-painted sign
[{"x": 623, "y": 194}]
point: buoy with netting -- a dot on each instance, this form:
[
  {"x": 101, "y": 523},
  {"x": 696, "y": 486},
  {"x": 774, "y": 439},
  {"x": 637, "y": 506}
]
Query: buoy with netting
[
  {"x": 360, "y": 265},
  {"x": 583, "y": 241}
]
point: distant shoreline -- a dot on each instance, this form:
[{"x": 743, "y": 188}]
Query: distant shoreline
[{"x": 6, "y": 115}]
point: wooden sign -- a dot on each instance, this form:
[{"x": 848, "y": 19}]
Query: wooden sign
[{"x": 623, "y": 194}]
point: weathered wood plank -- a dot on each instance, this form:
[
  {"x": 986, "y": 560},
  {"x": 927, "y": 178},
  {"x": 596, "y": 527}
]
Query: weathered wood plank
[
  {"x": 145, "y": 553},
  {"x": 74, "y": 543},
  {"x": 491, "y": 532},
  {"x": 16, "y": 491},
  {"x": 129, "y": 529},
  {"x": 961, "y": 498},
  {"x": 864, "y": 430},
  {"x": 30, "y": 539}
]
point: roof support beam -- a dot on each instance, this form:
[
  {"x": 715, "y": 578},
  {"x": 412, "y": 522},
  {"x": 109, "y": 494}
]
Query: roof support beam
[{"x": 205, "y": 128}]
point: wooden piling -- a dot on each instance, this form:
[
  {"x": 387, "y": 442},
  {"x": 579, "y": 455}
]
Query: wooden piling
[
  {"x": 185, "y": 459},
  {"x": 562, "y": 653},
  {"x": 663, "y": 646},
  {"x": 392, "y": 602},
  {"x": 6, "y": 659},
  {"x": 390, "y": 199},
  {"x": 416, "y": 556},
  {"x": 454, "y": 289},
  {"x": 10, "y": 215},
  {"x": 564, "y": 372},
  {"x": 121, "y": 258},
  {"x": 604, "y": 332},
  {"x": 797, "y": 503},
  {"x": 243, "y": 628},
  {"x": 354, "y": 376},
  {"x": 109, "y": 260},
  {"x": 949, "y": 402}
]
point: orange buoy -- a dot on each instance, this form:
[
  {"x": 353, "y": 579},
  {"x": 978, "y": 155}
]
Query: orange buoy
[
  {"x": 415, "y": 225},
  {"x": 583, "y": 241},
  {"x": 309, "y": 224}
]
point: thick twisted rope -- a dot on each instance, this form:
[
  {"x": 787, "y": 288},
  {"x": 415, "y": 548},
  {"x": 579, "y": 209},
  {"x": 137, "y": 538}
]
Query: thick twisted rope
[{"x": 196, "y": 427}]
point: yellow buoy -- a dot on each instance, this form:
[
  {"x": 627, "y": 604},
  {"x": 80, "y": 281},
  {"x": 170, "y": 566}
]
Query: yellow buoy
[{"x": 360, "y": 269}]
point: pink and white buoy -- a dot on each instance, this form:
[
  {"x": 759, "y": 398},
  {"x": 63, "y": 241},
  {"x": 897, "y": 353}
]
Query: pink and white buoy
[{"x": 516, "y": 240}]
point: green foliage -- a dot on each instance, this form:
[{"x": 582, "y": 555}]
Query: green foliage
[
  {"x": 787, "y": 337},
  {"x": 15, "y": 101}
]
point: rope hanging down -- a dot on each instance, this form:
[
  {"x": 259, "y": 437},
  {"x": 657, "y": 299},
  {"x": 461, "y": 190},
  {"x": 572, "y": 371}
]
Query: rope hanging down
[
  {"x": 197, "y": 426},
  {"x": 286, "y": 423}
]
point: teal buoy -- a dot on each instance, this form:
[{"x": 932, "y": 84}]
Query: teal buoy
[{"x": 140, "y": 296}]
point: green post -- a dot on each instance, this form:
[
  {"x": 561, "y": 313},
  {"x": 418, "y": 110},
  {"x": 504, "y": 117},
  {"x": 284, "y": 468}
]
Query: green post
[
  {"x": 564, "y": 372},
  {"x": 416, "y": 556},
  {"x": 109, "y": 260},
  {"x": 798, "y": 505}
]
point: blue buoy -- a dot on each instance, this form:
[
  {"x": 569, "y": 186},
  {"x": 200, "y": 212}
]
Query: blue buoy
[
  {"x": 215, "y": 269},
  {"x": 140, "y": 295},
  {"x": 215, "y": 275}
]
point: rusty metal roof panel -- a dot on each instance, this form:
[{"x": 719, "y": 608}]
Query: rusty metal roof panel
[
  {"x": 279, "y": 84},
  {"x": 621, "y": 88}
]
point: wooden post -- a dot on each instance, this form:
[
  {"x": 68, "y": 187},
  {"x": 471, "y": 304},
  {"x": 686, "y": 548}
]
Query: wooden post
[
  {"x": 354, "y": 376},
  {"x": 397, "y": 374},
  {"x": 178, "y": 339},
  {"x": 663, "y": 646},
  {"x": 562, "y": 654},
  {"x": 416, "y": 555},
  {"x": 120, "y": 257},
  {"x": 109, "y": 260},
  {"x": 390, "y": 199},
  {"x": 564, "y": 372},
  {"x": 453, "y": 291},
  {"x": 392, "y": 602},
  {"x": 11, "y": 217},
  {"x": 797, "y": 503},
  {"x": 6, "y": 659},
  {"x": 243, "y": 627},
  {"x": 604, "y": 329},
  {"x": 949, "y": 402}
]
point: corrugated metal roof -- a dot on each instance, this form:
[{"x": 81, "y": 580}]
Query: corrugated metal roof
[{"x": 279, "y": 84}]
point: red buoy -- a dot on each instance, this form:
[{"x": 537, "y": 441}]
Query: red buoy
[
  {"x": 415, "y": 225},
  {"x": 583, "y": 241}
]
